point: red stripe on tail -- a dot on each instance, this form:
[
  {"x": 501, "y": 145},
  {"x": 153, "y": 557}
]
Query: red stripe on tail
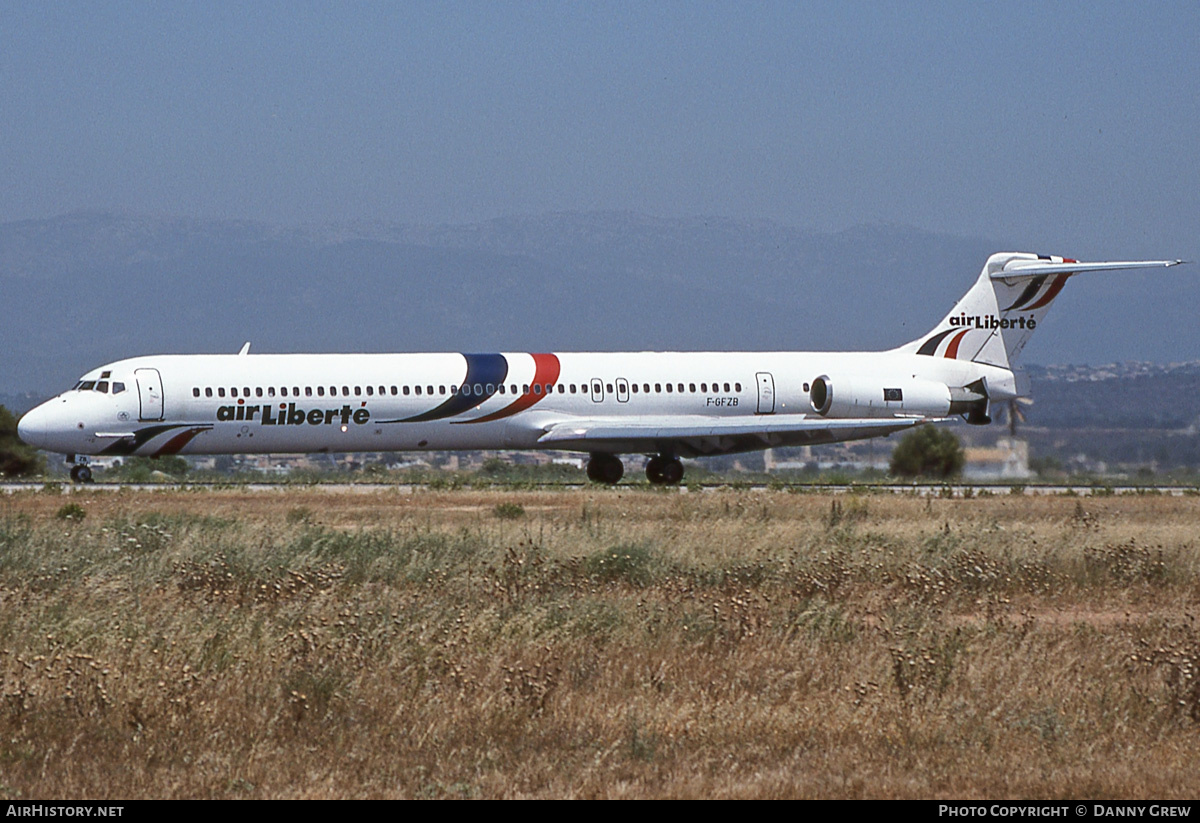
[{"x": 952, "y": 349}]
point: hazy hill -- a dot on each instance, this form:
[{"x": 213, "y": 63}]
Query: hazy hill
[{"x": 86, "y": 288}]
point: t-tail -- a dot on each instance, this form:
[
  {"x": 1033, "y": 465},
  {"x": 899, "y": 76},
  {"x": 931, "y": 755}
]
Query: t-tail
[
  {"x": 992, "y": 323},
  {"x": 995, "y": 319}
]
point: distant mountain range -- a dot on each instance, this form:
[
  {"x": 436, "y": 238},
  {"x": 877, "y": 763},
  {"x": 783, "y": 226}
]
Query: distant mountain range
[{"x": 87, "y": 288}]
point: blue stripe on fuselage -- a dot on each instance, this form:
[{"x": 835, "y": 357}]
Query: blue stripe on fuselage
[{"x": 483, "y": 370}]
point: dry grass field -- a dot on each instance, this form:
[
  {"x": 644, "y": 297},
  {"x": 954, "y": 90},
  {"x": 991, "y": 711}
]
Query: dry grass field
[{"x": 597, "y": 643}]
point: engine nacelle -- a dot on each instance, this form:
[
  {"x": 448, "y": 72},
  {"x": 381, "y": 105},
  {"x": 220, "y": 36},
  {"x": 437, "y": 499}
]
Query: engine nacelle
[{"x": 860, "y": 396}]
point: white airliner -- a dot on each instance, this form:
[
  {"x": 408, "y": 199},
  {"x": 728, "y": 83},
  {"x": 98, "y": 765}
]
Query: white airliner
[{"x": 664, "y": 404}]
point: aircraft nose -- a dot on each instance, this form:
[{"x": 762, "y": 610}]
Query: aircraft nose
[{"x": 34, "y": 427}]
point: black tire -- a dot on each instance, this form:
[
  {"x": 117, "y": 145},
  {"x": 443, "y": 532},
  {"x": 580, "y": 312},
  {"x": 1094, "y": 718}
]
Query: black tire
[
  {"x": 672, "y": 471},
  {"x": 654, "y": 470},
  {"x": 605, "y": 468},
  {"x": 81, "y": 474}
]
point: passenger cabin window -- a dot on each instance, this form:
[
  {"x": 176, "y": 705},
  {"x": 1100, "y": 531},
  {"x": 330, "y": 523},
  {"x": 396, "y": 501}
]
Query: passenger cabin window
[
  {"x": 195, "y": 392},
  {"x": 220, "y": 391},
  {"x": 308, "y": 391},
  {"x": 208, "y": 392}
]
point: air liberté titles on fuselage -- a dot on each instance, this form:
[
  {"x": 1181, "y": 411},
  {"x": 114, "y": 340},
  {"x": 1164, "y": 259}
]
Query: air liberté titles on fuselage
[{"x": 289, "y": 415}]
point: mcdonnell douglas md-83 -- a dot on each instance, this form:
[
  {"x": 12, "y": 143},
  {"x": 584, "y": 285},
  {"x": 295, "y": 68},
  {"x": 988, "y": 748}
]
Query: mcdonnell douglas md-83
[{"x": 666, "y": 405}]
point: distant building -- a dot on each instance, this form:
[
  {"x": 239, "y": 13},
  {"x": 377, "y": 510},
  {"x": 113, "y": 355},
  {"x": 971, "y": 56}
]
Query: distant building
[{"x": 1007, "y": 460}]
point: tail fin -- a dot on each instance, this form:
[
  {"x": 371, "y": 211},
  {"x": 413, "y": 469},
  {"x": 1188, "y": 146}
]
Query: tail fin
[{"x": 994, "y": 320}]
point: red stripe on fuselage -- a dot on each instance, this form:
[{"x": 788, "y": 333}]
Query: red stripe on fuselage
[
  {"x": 177, "y": 442},
  {"x": 546, "y": 369},
  {"x": 952, "y": 349}
]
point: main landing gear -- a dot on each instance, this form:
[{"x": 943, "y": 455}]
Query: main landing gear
[
  {"x": 605, "y": 468},
  {"x": 664, "y": 470},
  {"x": 661, "y": 470}
]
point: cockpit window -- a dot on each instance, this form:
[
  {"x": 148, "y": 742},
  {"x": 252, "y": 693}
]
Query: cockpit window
[
  {"x": 118, "y": 387},
  {"x": 87, "y": 385},
  {"x": 102, "y": 386}
]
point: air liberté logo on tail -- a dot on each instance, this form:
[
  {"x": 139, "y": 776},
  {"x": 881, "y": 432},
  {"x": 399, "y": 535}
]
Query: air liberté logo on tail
[
  {"x": 1037, "y": 294},
  {"x": 964, "y": 323},
  {"x": 991, "y": 321}
]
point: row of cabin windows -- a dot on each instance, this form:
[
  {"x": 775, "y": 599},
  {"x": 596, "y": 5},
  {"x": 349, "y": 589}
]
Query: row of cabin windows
[{"x": 479, "y": 389}]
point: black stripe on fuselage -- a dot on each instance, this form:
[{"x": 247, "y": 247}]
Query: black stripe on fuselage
[
  {"x": 484, "y": 371},
  {"x": 128, "y": 445},
  {"x": 930, "y": 345}
]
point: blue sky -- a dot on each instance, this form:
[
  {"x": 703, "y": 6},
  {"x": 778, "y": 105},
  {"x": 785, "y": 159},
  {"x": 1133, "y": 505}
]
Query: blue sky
[{"x": 1061, "y": 127}]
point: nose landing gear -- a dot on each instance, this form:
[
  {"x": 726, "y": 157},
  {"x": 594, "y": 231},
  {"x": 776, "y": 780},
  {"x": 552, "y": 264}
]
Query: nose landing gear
[
  {"x": 664, "y": 470},
  {"x": 81, "y": 473}
]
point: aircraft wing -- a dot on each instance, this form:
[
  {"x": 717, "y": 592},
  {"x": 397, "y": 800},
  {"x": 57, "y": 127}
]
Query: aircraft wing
[{"x": 698, "y": 435}]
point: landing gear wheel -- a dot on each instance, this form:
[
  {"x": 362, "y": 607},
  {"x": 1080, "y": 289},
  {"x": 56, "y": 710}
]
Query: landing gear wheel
[
  {"x": 81, "y": 474},
  {"x": 672, "y": 471},
  {"x": 664, "y": 471},
  {"x": 605, "y": 468},
  {"x": 654, "y": 467}
]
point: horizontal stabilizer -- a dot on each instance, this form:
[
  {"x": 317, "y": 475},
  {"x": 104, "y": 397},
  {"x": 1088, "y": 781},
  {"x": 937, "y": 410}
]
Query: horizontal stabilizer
[{"x": 1033, "y": 268}]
